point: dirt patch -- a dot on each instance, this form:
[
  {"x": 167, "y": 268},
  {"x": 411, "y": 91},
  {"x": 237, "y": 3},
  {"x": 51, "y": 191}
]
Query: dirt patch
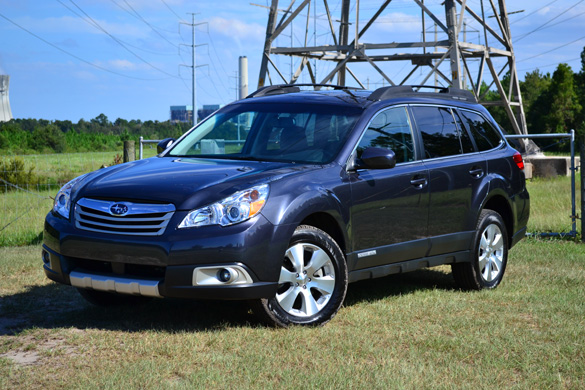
[
  {"x": 28, "y": 358},
  {"x": 30, "y": 350}
]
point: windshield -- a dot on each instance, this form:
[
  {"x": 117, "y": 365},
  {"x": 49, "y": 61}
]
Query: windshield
[{"x": 301, "y": 133}]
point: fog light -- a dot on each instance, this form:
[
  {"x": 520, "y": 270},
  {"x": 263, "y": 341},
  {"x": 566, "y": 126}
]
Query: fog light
[
  {"x": 227, "y": 275},
  {"x": 46, "y": 257}
]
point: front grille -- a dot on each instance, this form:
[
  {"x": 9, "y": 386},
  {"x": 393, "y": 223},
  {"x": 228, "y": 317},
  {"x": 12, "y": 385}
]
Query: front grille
[{"x": 137, "y": 219}]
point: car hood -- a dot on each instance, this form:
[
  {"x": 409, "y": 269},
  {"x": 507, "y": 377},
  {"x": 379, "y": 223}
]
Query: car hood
[{"x": 187, "y": 183}]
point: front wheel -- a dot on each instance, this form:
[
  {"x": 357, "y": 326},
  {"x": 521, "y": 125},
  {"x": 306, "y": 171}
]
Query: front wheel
[
  {"x": 312, "y": 282},
  {"x": 490, "y": 255}
]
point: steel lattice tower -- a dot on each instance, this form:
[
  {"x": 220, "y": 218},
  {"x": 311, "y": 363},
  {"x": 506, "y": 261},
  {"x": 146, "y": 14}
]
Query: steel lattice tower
[{"x": 448, "y": 58}]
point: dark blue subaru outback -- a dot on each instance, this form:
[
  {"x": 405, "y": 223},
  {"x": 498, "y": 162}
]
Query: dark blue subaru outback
[{"x": 285, "y": 197}]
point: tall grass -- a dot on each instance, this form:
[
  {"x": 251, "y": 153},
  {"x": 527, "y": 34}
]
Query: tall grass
[
  {"x": 550, "y": 204},
  {"x": 23, "y": 209}
]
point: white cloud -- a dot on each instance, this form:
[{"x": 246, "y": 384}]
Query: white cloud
[
  {"x": 122, "y": 65},
  {"x": 236, "y": 28}
]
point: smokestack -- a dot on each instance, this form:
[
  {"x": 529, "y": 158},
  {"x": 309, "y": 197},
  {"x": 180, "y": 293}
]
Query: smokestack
[
  {"x": 5, "y": 112},
  {"x": 243, "y": 73}
]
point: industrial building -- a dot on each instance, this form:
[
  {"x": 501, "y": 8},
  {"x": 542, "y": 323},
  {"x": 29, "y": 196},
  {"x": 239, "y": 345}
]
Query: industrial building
[{"x": 181, "y": 114}]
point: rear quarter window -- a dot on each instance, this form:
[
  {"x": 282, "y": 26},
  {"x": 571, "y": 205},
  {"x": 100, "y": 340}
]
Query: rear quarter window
[{"x": 484, "y": 134}]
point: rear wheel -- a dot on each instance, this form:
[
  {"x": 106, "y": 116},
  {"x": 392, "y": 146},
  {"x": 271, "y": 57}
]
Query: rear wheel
[
  {"x": 312, "y": 282},
  {"x": 490, "y": 255},
  {"x": 105, "y": 299}
]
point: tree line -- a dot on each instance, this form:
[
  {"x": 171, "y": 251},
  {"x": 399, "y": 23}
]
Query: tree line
[{"x": 30, "y": 136}]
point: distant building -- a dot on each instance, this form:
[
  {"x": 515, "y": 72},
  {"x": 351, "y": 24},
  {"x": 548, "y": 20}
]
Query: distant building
[
  {"x": 5, "y": 112},
  {"x": 181, "y": 114},
  {"x": 207, "y": 110}
]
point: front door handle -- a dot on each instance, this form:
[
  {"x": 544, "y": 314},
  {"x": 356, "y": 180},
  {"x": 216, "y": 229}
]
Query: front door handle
[{"x": 419, "y": 182}]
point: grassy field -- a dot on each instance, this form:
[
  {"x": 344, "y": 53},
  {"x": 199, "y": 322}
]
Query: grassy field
[
  {"x": 23, "y": 211},
  {"x": 550, "y": 204},
  {"x": 411, "y": 331}
]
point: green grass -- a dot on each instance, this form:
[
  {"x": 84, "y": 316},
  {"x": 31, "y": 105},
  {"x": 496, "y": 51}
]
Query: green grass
[
  {"x": 62, "y": 167},
  {"x": 550, "y": 204},
  {"x": 23, "y": 211},
  {"x": 411, "y": 331}
]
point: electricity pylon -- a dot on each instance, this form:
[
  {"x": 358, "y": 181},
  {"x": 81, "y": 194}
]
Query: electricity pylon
[{"x": 447, "y": 58}]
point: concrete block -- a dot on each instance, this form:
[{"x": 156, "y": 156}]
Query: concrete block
[{"x": 543, "y": 166}]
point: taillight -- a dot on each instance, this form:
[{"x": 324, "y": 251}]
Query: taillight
[{"x": 518, "y": 160}]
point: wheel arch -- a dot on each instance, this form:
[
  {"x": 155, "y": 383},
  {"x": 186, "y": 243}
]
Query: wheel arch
[
  {"x": 329, "y": 225},
  {"x": 500, "y": 205}
]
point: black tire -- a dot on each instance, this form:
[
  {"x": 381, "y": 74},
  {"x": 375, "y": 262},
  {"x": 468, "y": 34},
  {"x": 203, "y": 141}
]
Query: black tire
[
  {"x": 490, "y": 255},
  {"x": 312, "y": 283},
  {"x": 106, "y": 299}
]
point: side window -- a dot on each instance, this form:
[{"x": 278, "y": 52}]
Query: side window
[
  {"x": 486, "y": 137},
  {"x": 390, "y": 129},
  {"x": 441, "y": 135}
]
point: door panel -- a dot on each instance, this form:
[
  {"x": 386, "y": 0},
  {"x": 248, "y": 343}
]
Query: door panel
[
  {"x": 456, "y": 176},
  {"x": 389, "y": 206}
]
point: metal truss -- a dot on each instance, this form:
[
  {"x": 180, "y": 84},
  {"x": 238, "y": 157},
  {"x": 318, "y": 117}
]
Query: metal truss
[{"x": 449, "y": 62}]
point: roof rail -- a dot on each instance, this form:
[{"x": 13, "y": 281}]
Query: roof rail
[
  {"x": 414, "y": 90},
  {"x": 279, "y": 89}
]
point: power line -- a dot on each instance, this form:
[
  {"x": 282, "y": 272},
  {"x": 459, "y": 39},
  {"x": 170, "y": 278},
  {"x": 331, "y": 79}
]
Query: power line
[
  {"x": 170, "y": 9},
  {"x": 97, "y": 25},
  {"x": 124, "y": 42},
  {"x": 556, "y": 48},
  {"x": 150, "y": 25},
  {"x": 75, "y": 56},
  {"x": 546, "y": 66},
  {"x": 541, "y": 26},
  {"x": 533, "y": 12}
]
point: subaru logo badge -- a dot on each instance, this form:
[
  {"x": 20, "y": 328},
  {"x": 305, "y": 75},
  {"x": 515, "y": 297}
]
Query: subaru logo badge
[{"x": 119, "y": 209}]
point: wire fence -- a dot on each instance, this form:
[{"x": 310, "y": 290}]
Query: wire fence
[{"x": 28, "y": 184}]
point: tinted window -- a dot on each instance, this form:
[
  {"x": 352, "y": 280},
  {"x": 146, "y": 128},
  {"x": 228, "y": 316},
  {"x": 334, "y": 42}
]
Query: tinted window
[
  {"x": 441, "y": 135},
  {"x": 390, "y": 129},
  {"x": 274, "y": 132},
  {"x": 486, "y": 137}
]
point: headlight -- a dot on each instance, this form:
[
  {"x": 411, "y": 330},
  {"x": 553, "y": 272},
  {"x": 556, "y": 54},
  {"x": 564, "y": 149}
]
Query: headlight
[
  {"x": 237, "y": 208},
  {"x": 62, "y": 203}
]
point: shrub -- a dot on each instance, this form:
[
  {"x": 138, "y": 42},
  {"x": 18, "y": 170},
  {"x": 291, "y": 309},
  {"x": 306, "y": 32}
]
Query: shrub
[{"x": 13, "y": 171}]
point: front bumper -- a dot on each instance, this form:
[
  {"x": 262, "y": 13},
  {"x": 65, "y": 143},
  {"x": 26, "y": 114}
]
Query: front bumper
[{"x": 164, "y": 266}]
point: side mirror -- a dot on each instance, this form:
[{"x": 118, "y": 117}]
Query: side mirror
[
  {"x": 375, "y": 158},
  {"x": 164, "y": 145}
]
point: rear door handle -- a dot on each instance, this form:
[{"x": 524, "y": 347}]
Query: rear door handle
[
  {"x": 476, "y": 172},
  {"x": 419, "y": 182}
]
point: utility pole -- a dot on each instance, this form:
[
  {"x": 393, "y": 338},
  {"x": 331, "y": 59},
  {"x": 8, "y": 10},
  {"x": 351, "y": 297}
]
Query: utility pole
[{"x": 194, "y": 65}]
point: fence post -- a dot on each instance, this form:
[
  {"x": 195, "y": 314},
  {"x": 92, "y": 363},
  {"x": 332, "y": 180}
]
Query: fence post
[
  {"x": 581, "y": 167},
  {"x": 140, "y": 148},
  {"x": 129, "y": 151}
]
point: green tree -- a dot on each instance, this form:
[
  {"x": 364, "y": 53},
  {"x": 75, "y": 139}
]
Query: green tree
[
  {"x": 48, "y": 138},
  {"x": 102, "y": 121},
  {"x": 534, "y": 91},
  {"x": 580, "y": 89},
  {"x": 564, "y": 108}
]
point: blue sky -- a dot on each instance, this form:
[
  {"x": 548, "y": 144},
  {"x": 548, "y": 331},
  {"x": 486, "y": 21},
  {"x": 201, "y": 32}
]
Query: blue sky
[{"x": 122, "y": 57}]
